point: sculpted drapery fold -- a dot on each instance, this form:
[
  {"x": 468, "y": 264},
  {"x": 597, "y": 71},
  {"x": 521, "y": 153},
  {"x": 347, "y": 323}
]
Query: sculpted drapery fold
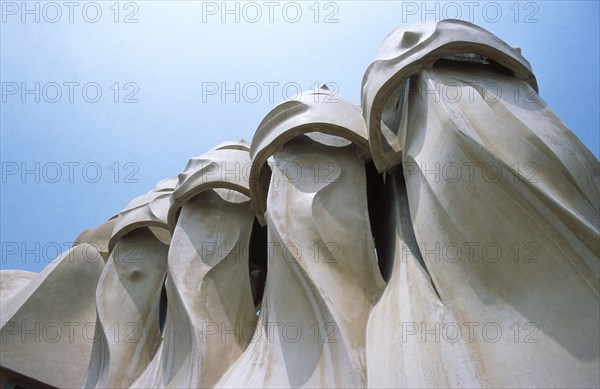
[
  {"x": 211, "y": 314},
  {"x": 501, "y": 240},
  {"x": 322, "y": 275},
  {"x": 444, "y": 233},
  {"x": 128, "y": 292}
]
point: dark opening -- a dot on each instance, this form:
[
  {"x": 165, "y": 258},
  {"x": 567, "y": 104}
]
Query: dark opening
[
  {"x": 162, "y": 307},
  {"x": 486, "y": 64},
  {"x": 257, "y": 262},
  {"x": 379, "y": 208}
]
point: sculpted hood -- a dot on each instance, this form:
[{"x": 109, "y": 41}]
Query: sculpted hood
[{"x": 408, "y": 50}]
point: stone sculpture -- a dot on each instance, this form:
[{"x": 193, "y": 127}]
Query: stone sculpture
[
  {"x": 208, "y": 288},
  {"x": 444, "y": 233},
  {"x": 44, "y": 339},
  {"x": 321, "y": 256},
  {"x": 128, "y": 295},
  {"x": 520, "y": 256}
]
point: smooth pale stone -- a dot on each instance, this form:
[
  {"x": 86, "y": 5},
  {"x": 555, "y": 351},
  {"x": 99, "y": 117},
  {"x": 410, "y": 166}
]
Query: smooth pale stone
[
  {"x": 152, "y": 376},
  {"x": 48, "y": 326},
  {"x": 211, "y": 315},
  {"x": 153, "y": 373},
  {"x": 222, "y": 167},
  {"x": 98, "y": 237},
  {"x": 148, "y": 210},
  {"x": 516, "y": 253},
  {"x": 12, "y": 281},
  {"x": 322, "y": 279},
  {"x": 492, "y": 231},
  {"x": 408, "y": 50},
  {"x": 127, "y": 303},
  {"x": 400, "y": 353},
  {"x": 318, "y": 111}
]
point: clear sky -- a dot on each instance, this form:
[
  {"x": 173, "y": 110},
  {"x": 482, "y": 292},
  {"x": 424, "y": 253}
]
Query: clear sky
[{"x": 127, "y": 92}]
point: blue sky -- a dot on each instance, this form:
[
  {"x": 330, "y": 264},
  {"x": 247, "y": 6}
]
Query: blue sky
[{"x": 161, "y": 69}]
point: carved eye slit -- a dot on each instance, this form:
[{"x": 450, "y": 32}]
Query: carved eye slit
[{"x": 410, "y": 39}]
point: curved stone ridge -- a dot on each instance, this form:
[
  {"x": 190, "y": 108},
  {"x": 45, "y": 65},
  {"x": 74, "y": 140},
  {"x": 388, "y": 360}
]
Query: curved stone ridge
[
  {"x": 225, "y": 166},
  {"x": 311, "y": 111},
  {"x": 147, "y": 210},
  {"x": 12, "y": 282},
  {"x": 408, "y": 50},
  {"x": 44, "y": 326},
  {"x": 98, "y": 237},
  {"x": 322, "y": 272},
  {"x": 128, "y": 301},
  {"x": 208, "y": 283},
  {"x": 492, "y": 272}
]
